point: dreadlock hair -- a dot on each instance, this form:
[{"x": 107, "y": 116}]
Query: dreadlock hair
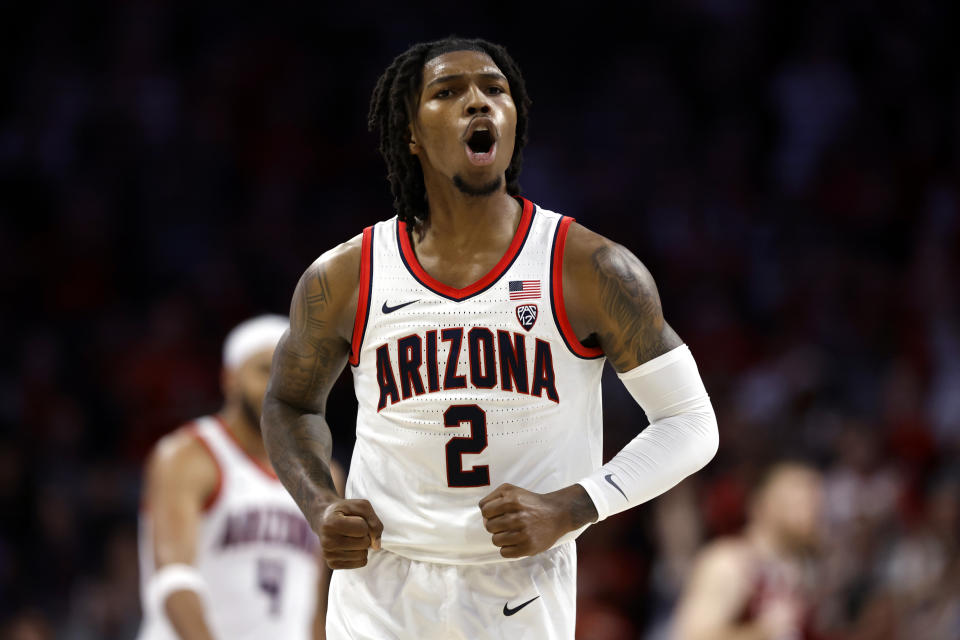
[{"x": 394, "y": 104}]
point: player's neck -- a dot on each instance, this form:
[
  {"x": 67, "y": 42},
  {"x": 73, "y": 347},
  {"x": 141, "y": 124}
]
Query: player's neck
[
  {"x": 246, "y": 434},
  {"x": 462, "y": 220},
  {"x": 768, "y": 544}
]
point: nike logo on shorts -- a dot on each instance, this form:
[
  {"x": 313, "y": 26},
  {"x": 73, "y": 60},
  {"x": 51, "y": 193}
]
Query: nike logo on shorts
[
  {"x": 609, "y": 478},
  {"x": 388, "y": 309},
  {"x": 507, "y": 611}
]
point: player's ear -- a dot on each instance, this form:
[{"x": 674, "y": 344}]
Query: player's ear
[
  {"x": 412, "y": 140},
  {"x": 228, "y": 381}
]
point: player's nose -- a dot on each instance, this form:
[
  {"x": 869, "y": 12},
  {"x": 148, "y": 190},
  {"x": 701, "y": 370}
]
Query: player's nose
[{"x": 477, "y": 101}]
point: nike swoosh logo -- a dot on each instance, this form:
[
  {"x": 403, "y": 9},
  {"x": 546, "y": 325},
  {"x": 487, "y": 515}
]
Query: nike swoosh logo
[
  {"x": 507, "y": 611},
  {"x": 388, "y": 309},
  {"x": 609, "y": 478}
]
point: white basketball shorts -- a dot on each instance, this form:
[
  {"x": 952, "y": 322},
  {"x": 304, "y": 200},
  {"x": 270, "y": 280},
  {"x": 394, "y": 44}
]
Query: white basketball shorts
[{"x": 395, "y": 598}]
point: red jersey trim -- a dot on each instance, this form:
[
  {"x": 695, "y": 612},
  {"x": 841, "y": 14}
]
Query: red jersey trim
[
  {"x": 409, "y": 259},
  {"x": 556, "y": 295},
  {"x": 363, "y": 301},
  {"x": 218, "y": 488},
  {"x": 267, "y": 471}
]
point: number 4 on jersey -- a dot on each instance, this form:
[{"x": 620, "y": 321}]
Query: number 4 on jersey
[
  {"x": 270, "y": 580},
  {"x": 478, "y": 476}
]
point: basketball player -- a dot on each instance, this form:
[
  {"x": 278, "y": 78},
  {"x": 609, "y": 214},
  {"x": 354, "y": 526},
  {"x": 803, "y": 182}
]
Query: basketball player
[
  {"x": 476, "y": 324},
  {"x": 758, "y": 586},
  {"x": 224, "y": 552}
]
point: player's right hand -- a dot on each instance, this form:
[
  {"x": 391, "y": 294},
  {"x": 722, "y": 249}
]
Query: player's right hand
[{"x": 346, "y": 530}]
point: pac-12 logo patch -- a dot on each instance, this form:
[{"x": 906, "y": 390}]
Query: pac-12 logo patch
[{"x": 527, "y": 315}]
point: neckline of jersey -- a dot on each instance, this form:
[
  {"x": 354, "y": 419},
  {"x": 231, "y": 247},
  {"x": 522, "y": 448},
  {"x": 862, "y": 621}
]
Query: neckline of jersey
[
  {"x": 409, "y": 258},
  {"x": 267, "y": 471}
]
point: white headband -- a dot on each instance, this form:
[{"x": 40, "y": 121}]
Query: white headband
[{"x": 253, "y": 336}]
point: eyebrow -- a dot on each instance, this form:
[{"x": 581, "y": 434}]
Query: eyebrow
[{"x": 490, "y": 75}]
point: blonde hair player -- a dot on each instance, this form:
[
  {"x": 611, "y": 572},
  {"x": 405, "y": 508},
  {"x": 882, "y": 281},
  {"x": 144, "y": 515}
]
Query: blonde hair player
[
  {"x": 760, "y": 585},
  {"x": 224, "y": 550}
]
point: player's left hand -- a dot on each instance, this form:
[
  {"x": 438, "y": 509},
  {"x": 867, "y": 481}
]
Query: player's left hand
[{"x": 524, "y": 523}]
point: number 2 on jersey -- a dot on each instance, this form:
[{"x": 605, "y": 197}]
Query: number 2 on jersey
[{"x": 454, "y": 416}]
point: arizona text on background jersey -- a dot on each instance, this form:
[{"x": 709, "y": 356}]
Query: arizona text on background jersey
[
  {"x": 461, "y": 390},
  {"x": 255, "y": 550}
]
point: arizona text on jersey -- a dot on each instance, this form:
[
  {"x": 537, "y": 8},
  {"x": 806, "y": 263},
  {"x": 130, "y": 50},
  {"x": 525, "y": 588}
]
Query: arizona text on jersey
[
  {"x": 255, "y": 551},
  {"x": 461, "y": 390}
]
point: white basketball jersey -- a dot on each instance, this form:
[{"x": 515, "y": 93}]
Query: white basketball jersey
[
  {"x": 461, "y": 390},
  {"x": 255, "y": 551}
]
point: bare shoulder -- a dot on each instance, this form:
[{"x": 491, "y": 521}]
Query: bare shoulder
[
  {"x": 590, "y": 258},
  {"x": 329, "y": 288},
  {"x": 725, "y": 555},
  {"x": 582, "y": 243},
  {"x": 311, "y": 355},
  {"x": 716, "y": 589},
  {"x": 579, "y": 281},
  {"x": 611, "y": 295},
  {"x": 343, "y": 260},
  {"x": 181, "y": 462}
]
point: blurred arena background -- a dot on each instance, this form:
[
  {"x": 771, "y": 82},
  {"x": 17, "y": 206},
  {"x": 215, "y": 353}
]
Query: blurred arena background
[{"x": 787, "y": 171}]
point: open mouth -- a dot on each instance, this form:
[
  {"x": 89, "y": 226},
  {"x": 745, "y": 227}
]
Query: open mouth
[
  {"x": 481, "y": 146},
  {"x": 481, "y": 141}
]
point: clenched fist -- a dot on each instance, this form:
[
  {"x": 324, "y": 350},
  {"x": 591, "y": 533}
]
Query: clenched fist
[
  {"x": 524, "y": 523},
  {"x": 347, "y": 529}
]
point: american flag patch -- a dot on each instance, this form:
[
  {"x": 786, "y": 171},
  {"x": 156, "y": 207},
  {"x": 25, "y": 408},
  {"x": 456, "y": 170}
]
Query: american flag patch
[{"x": 524, "y": 289}]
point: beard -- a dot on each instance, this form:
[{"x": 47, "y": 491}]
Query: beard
[
  {"x": 251, "y": 412},
  {"x": 477, "y": 191}
]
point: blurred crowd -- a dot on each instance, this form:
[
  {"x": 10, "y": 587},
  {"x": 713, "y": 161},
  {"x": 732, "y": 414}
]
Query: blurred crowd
[{"x": 787, "y": 171}]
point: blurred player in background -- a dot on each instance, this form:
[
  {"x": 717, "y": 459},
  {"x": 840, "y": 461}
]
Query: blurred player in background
[
  {"x": 224, "y": 551},
  {"x": 477, "y": 324},
  {"x": 760, "y": 585}
]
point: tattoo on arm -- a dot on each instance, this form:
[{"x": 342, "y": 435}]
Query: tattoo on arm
[
  {"x": 300, "y": 453},
  {"x": 635, "y": 329},
  {"x": 316, "y": 302},
  {"x": 307, "y": 363},
  {"x": 306, "y": 353}
]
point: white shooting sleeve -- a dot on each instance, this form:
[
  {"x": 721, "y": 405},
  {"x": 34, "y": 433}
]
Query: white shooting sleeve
[{"x": 681, "y": 439}]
